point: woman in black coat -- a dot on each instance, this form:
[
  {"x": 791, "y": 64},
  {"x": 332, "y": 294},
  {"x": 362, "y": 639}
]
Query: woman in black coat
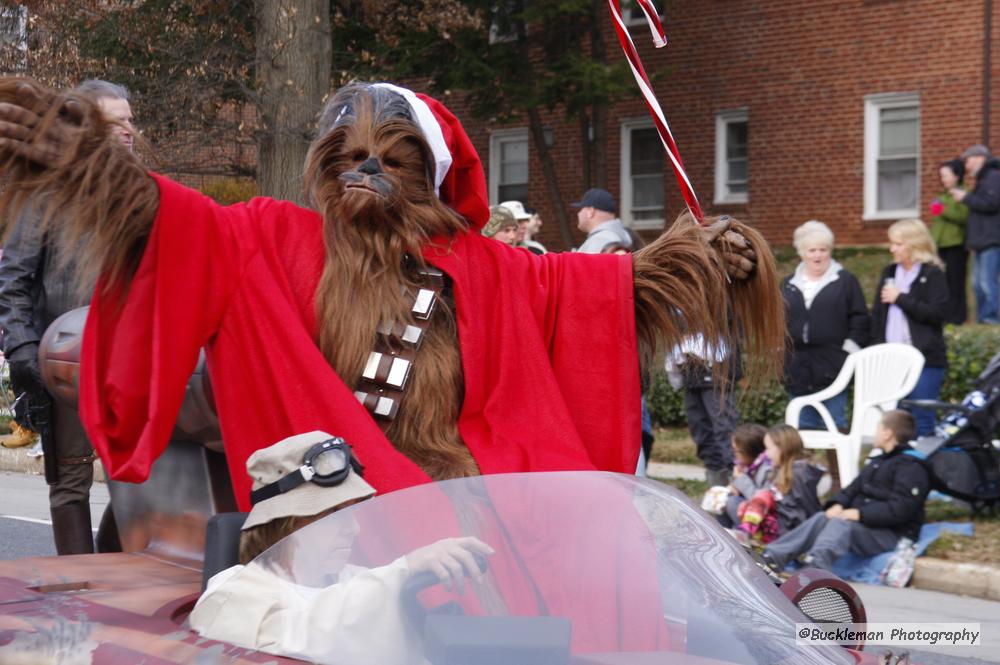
[
  {"x": 827, "y": 318},
  {"x": 910, "y": 307}
]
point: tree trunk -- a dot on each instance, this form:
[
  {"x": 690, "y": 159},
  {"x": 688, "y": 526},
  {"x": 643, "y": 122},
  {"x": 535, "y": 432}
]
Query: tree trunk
[
  {"x": 549, "y": 170},
  {"x": 293, "y": 77}
]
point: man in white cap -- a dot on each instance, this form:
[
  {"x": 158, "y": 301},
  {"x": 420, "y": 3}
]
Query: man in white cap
[
  {"x": 297, "y": 481},
  {"x": 526, "y": 226}
]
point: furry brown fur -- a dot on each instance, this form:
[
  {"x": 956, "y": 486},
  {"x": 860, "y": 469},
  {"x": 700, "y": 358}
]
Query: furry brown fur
[
  {"x": 681, "y": 287},
  {"x": 369, "y": 175}
]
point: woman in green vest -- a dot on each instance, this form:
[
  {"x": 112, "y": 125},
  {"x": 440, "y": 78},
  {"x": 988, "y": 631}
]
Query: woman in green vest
[{"x": 948, "y": 232}]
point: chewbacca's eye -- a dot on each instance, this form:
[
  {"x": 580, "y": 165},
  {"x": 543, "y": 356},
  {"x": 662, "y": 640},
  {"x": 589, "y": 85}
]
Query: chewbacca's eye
[{"x": 391, "y": 163}]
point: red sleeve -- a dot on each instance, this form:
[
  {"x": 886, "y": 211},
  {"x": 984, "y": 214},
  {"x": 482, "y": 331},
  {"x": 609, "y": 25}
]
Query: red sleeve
[
  {"x": 138, "y": 353},
  {"x": 589, "y": 328}
]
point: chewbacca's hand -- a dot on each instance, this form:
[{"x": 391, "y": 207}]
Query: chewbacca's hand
[
  {"x": 734, "y": 250},
  {"x": 19, "y": 126}
]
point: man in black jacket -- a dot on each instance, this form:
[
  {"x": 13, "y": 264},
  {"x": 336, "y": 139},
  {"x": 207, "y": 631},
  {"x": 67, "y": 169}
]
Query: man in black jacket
[
  {"x": 883, "y": 504},
  {"x": 35, "y": 289},
  {"x": 982, "y": 234}
]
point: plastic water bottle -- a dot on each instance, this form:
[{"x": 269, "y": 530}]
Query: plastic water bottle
[{"x": 899, "y": 569}]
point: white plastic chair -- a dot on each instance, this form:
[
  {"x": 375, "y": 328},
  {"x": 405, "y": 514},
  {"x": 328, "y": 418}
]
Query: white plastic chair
[{"x": 883, "y": 374}]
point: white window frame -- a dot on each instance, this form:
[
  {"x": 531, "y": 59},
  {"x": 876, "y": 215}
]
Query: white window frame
[
  {"x": 873, "y": 106},
  {"x": 722, "y": 121},
  {"x": 497, "y": 138},
  {"x": 625, "y": 205}
]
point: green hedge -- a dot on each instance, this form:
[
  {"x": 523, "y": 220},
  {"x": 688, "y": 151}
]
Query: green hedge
[
  {"x": 227, "y": 191},
  {"x": 970, "y": 348}
]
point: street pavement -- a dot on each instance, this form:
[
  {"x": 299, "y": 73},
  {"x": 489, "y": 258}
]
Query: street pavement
[
  {"x": 887, "y": 605},
  {"x": 25, "y": 531}
]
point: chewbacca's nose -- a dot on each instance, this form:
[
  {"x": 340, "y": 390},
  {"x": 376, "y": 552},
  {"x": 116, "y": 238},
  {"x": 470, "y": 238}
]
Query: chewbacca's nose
[{"x": 370, "y": 166}]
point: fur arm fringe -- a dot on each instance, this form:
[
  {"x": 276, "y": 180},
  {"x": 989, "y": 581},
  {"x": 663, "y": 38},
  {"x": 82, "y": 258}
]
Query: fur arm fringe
[
  {"x": 681, "y": 288},
  {"x": 95, "y": 200}
]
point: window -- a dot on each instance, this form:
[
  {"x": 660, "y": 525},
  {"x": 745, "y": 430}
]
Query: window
[
  {"x": 732, "y": 166},
  {"x": 502, "y": 26},
  {"x": 892, "y": 156},
  {"x": 14, "y": 26},
  {"x": 509, "y": 165},
  {"x": 642, "y": 175},
  {"x": 632, "y": 12}
]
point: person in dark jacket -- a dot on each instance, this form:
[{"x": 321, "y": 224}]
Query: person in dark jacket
[
  {"x": 827, "y": 318},
  {"x": 910, "y": 305},
  {"x": 36, "y": 287},
  {"x": 982, "y": 234},
  {"x": 869, "y": 516}
]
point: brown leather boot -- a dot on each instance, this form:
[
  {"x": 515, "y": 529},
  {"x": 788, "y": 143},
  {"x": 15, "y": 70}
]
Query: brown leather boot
[{"x": 71, "y": 529}]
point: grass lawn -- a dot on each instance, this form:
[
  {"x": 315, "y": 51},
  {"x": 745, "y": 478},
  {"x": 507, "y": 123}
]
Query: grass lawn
[
  {"x": 674, "y": 444},
  {"x": 983, "y": 547}
]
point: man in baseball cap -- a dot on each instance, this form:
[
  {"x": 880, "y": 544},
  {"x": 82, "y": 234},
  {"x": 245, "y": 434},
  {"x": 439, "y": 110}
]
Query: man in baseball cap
[
  {"x": 597, "y": 217},
  {"x": 982, "y": 234}
]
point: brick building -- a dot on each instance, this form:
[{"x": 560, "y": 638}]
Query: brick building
[{"x": 784, "y": 110}]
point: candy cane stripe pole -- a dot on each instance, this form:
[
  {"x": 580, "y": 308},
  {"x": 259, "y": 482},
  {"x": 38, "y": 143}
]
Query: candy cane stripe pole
[{"x": 652, "y": 105}]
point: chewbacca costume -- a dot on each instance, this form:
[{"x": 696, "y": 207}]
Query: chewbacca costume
[
  {"x": 528, "y": 363},
  {"x": 531, "y": 363}
]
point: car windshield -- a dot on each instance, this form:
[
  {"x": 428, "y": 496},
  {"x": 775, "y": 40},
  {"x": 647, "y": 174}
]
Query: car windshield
[{"x": 585, "y": 567}]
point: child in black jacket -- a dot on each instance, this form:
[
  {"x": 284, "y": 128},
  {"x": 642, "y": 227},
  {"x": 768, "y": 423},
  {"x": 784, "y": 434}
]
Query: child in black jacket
[{"x": 883, "y": 504}]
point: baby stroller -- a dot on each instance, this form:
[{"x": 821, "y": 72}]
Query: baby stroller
[{"x": 961, "y": 457}]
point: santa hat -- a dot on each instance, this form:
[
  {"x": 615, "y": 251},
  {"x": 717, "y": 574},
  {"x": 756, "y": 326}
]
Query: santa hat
[{"x": 459, "y": 180}]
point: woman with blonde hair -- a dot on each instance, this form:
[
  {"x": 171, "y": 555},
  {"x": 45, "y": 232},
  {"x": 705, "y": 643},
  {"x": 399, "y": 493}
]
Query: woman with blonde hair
[{"x": 910, "y": 307}]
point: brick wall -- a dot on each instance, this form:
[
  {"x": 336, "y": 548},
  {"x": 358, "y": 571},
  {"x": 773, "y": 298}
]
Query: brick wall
[{"x": 802, "y": 68}]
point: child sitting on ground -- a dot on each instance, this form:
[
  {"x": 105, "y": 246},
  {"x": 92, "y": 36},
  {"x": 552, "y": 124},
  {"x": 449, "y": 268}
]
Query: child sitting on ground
[
  {"x": 791, "y": 496},
  {"x": 356, "y": 620},
  {"x": 883, "y": 504},
  {"x": 751, "y": 469}
]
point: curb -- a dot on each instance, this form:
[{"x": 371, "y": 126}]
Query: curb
[
  {"x": 16, "y": 460},
  {"x": 964, "y": 579}
]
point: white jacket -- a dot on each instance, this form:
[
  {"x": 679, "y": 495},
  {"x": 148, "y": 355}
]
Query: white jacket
[{"x": 357, "y": 621}]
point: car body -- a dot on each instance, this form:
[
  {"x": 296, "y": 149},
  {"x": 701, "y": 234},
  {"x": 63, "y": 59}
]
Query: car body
[{"x": 599, "y": 567}]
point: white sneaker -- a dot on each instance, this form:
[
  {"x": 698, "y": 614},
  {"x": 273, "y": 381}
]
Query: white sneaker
[{"x": 36, "y": 450}]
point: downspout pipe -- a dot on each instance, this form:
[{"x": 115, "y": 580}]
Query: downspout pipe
[{"x": 987, "y": 57}]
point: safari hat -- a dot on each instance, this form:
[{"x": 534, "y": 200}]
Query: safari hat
[{"x": 273, "y": 463}]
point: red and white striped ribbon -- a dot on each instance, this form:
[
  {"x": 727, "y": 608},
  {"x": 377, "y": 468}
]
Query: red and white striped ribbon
[{"x": 659, "y": 40}]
